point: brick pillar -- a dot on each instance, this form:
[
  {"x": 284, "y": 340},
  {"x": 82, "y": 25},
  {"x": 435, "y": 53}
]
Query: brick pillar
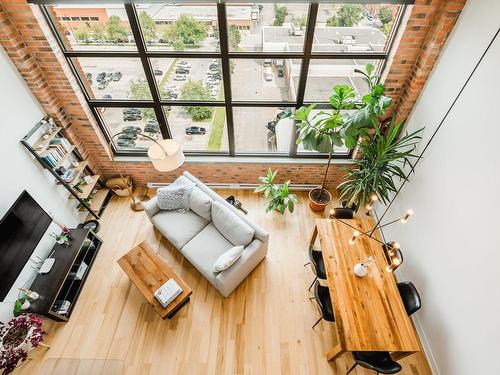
[{"x": 427, "y": 30}]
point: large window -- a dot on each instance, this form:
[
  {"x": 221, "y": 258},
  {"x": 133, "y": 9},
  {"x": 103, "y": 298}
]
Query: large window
[{"x": 221, "y": 78}]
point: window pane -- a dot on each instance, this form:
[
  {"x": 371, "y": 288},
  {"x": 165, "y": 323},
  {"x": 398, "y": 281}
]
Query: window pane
[
  {"x": 353, "y": 27},
  {"x": 340, "y": 151},
  {"x": 93, "y": 26},
  {"x": 198, "y": 128},
  {"x": 179, "y": 26},
  {"x": 189, "y": 79},
  {"x": 324, "y": 74},
  {"x": 113, "y": 78},
  {"x": 268, "y": 27},
  {"x": 264, "y": 79},
  {"x": 131, "y": 121},
  {"x": 263, "y": 129}
]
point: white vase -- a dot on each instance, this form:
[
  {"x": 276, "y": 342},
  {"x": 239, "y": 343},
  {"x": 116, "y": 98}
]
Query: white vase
[{"x": 360, "y": 269}]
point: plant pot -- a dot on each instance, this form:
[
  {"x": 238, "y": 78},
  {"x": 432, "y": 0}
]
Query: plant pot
[{"x": 319, "y": 203}]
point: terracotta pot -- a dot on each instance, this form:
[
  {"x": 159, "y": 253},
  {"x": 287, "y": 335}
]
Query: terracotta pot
[{"x": 314, "y": 204}]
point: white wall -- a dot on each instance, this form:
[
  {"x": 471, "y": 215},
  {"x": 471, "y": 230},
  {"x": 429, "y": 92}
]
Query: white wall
[
  {"x": 450, "y": 246},
  {"x": 19, "y": 171}
]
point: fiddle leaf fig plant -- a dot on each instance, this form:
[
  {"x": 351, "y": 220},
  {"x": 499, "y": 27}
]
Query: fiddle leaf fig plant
[{"x": 279, "y": 196}]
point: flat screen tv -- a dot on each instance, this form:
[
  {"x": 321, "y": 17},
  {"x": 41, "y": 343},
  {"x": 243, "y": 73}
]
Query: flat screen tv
[{"x": 21, "y": 229}]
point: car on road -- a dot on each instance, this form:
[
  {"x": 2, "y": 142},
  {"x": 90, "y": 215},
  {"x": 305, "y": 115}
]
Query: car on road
[
  {"x": 182, "y": 71},
  {"x": 131, "y": 111},
  {"x": 128, "y": 135},
  {"x": 158, "y": 72},
  {"x": 194, "y": 130},
  {"x": 268, "y": 74},
  {"x": 152, "y": 121},
  {"x": 100, "y": 76},
  {"x": 103, "y": 84},
  {"x": 184, "y": 64},
  {"x": 107, "y": 97},
  {"x": 125, "y": 143},
  {"x": 135, "y": 117},
  {"x": 116, "y": 76},
  {"x": 131, "y": 129},
  {"x": 180, "y": 77},
  {"x": 152, "y": 129}
]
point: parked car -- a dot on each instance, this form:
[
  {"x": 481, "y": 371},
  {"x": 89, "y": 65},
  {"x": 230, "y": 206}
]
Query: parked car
[
  {"x": 182, "y": 71},
  {"x": 194, "y": 130},
  {"x": 184, "y": 64},
  {"x": 268, "y": 74},
  {"x": 152, "y": 121},
  {"x": 271, "y": 126},
  {"x": 103, "y": 84},
  {"x": 180, "y": 77},
  {"x": 88, "y": 76},
  {"x": 172, "y": 88},
  {"x": 152, "y": 129},
  {"x": 125, "y": 143},
  {"x": 116, "y": 76},
  {"x": 167, "y": 108},
  {"x": 268, "y": 62},
  {"x": 100, "y": 76},
  {"x": 107, "y": 97},
  {"x": 135, "y": 117},
  {"x": 131, "y": 129},
  {"x": 158, "y": 72},
  {"x": 171, "y": 95},
  {"x": 214, "y": 91},
  {"x": 128, "y": 135},
  {"x": 131, "y": 111},
  {"x": 212, "y": 82},
  {"x": 109, "y": 75}
]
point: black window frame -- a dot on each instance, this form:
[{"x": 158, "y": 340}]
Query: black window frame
[{"x": 306, "y": 55}]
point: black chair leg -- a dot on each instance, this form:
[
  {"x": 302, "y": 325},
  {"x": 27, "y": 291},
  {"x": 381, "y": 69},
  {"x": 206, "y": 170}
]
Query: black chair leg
[
  {"x": 316, "y": 278},
  {"x": 352, "y": 368},
  {"x": 315, "y": 324},
  {"x": 308, "y": 263}
]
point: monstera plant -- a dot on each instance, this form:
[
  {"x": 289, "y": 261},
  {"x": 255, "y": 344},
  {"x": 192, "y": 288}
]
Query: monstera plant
[{"x": 348, "y": 118}]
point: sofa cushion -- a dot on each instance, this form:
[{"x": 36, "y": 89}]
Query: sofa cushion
[
  {"x": 201, "y": 203},
  {"x": 231, "y": 226},
  {"x": 174, "y": 197},
  {"x": 204, "y": 249},
  {"x": 227, "y": 259},
  {"x": 178, "y": 227}
]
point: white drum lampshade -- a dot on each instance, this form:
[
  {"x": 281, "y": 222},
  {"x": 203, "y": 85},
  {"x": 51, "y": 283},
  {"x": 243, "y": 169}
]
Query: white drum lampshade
[{"x": 166, "y": 155}]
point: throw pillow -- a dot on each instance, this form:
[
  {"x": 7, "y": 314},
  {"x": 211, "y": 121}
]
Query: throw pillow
[
  {"x": 231, "y": 226},
  {"x": 200, "y": 203},
  {"x": 174, "y": 198},
  {"x": 227, "y": 259}
]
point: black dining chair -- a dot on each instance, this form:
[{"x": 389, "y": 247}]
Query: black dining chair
[
  {"x": 324, "y": 302},
  {"x": 409, "y": 295},
  {"x": 381, "y": 362},
  {"x": 342, "y": 213},
  {"x": 317, "y": 265}
]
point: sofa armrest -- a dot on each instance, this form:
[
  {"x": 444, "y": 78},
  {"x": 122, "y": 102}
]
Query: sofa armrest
[
  {"x": 227, "y": 280},
  {"x": 151, "y": 207}
]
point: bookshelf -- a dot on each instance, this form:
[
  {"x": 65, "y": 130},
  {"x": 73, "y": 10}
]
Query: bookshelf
[{"x": 55, "y": 153}]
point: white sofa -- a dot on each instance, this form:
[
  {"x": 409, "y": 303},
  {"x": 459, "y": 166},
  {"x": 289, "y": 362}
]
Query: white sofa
[{"x": 207, "y": 231}]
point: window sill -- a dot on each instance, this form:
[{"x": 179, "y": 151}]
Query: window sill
[{"x": 240, "y": 160}]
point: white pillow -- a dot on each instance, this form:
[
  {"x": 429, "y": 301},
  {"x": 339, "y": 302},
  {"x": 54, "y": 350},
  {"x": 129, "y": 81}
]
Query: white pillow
[
  {"x": 231, "y": 226},
  {"x": 173, "y": 197},
  {"x": 227, "y": 259},
  {"x": 200, "y": 203}
]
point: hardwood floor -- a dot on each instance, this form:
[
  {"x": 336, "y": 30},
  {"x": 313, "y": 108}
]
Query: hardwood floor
[{"x": 264, "y": 327}]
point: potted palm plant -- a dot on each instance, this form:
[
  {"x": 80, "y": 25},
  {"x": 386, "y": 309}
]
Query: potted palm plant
[
  {"x": 384, "y": 157},
  {"x": 342, "y": 125},
  {"x": 279, "y": 196}
]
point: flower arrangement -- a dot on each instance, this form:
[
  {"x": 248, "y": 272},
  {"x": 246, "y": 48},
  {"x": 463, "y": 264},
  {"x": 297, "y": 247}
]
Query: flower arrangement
[{"x": 17, "y": 337}]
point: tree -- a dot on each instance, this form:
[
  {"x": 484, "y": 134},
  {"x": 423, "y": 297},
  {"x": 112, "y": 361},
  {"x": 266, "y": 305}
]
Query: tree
[
  {"x": 385, "y": 15},
  {"x": 178, "y": 45},
  {"x": 148, "y": 26},
  {"x": 115, "y": 30},
  {"x": 139, "y": 90},
  {"x": 386, "y": 28},
  {"x": 82, "y": 34},
  {"x": 280, "y": 14},
  {"x": 195, "y": 90},
  {"x": 347, "y": 16},
  {"x": 186, "y": 29},
  {"x": 98, "y": 32},
  {"x": 234, "y": 37}
]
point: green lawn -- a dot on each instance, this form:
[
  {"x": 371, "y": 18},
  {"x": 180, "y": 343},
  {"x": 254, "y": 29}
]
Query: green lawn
[{"x": 217, "y": 130}]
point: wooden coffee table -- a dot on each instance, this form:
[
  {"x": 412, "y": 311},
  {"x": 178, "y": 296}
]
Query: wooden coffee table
[{"x": 148, "y": 271}]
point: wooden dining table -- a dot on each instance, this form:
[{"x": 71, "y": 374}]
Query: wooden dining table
[{"x": 369, "y": 312}]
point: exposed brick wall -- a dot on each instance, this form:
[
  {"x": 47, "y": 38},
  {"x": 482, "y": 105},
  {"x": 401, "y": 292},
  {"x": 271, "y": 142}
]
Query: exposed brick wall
[
  {"x": 426, "y": 32},
  {"x": 26, "y": 38}
]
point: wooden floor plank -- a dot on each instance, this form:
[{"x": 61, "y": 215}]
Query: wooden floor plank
[{"x": 264, "y": 327}]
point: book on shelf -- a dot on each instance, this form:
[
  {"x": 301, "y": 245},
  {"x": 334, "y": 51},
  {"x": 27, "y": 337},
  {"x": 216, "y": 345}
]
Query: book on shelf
[
  {"x": 168, "y": 292},
  {"x": 61, "y": 306},
  {"x": 78, "y": 270}
]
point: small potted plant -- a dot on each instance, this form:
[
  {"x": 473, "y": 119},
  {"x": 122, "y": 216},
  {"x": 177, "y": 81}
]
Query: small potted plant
[
  {"x": 61, "y": 239},
  {"x": 17, "y": 338},
  {"x": 279, "y": 196}
]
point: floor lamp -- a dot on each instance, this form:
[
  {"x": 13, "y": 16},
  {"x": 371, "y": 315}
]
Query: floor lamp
[{"x": 165, "y": 155}]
